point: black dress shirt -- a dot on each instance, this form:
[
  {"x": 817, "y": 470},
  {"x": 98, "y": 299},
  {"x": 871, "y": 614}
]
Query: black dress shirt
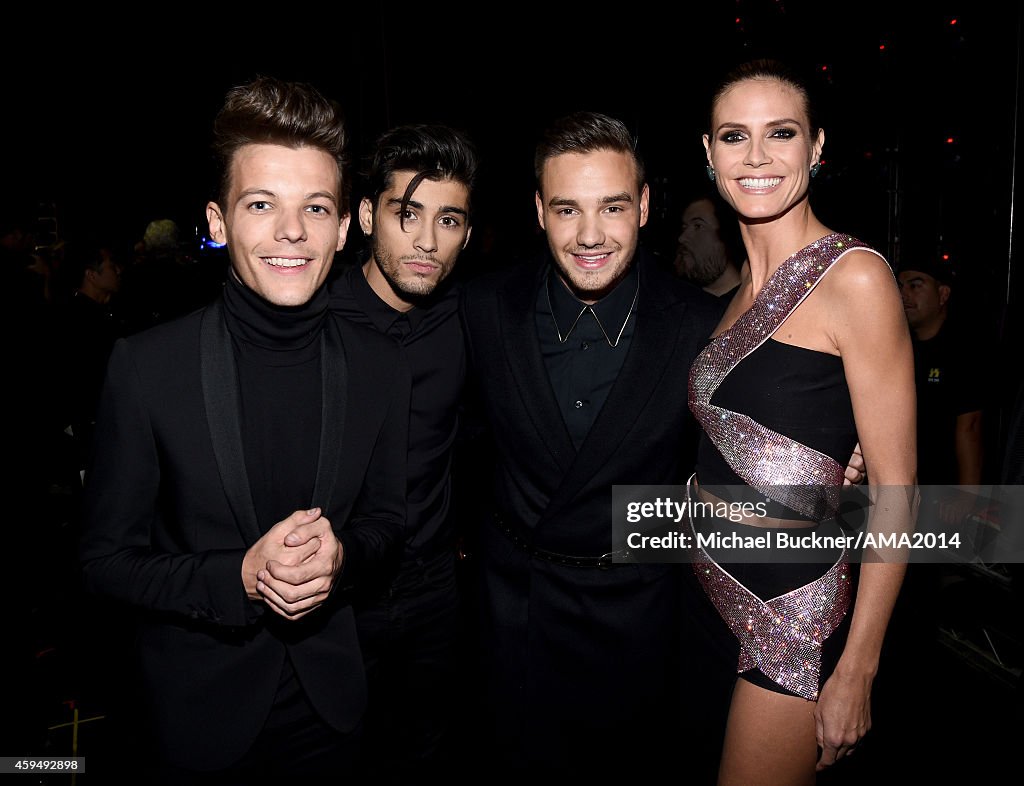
[
  {"x": 584, "y": 346},
  {"x": 431, "y": 336}
]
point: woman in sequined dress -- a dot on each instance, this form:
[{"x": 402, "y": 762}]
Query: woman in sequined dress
[{"x": 812, "y": 355}]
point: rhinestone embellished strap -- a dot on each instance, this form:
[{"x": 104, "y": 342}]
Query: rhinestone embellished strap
[
  {"x": 782, "y": 469},
  {"x": 783, "y": 636}
]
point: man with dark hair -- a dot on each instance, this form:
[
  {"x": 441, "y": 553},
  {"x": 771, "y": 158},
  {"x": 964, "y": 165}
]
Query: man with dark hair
[
  {"x": 948, "y": 382},
  {"x": 87, "y": 328},
  {"x": 949, "y": 393},
  {"x": 582, "y": 359},
  {"x": 416, "y": 217},
  {"x": 250, "y": 469},
  {"x": 710, "y": 250}
]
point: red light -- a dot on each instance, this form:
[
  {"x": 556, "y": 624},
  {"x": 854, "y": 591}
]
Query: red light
[
  {"x": 949, "y": 140},
  {"x": 952, "y": 21},
  {"x": 738, "y": 20},
  {"x": 881, "y": 46},
  {"x": 945, "y": 257},
  {"x": 824, "y": 68}
]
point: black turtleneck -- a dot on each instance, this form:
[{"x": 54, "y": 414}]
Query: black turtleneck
[{"x": 277, "y": 349}]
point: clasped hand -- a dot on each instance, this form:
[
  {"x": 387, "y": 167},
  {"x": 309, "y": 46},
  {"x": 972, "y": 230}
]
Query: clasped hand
[{"x": 294, "y": 565}]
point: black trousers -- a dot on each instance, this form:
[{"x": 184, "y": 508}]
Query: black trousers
[
  {"x": 409, "y": 636},
  {"x": 295, "y": 746}
]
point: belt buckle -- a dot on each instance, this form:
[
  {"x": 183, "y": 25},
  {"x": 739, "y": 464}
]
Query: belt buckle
[{"x": 607, "y": 560}]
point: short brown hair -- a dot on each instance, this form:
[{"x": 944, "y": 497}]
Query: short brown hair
[
  {"x": 271, "y": 111},
  {"x": 586, "y": 132}
]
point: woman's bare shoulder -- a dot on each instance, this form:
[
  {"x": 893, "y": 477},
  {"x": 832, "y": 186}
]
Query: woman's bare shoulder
[{"x": 860, "y": 272}]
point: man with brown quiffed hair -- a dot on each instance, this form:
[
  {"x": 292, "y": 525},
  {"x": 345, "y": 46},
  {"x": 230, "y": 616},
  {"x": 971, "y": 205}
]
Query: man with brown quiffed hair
[{"x": 250, "y": 468}]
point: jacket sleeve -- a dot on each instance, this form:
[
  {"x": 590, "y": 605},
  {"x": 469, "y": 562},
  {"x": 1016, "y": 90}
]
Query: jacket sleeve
[{"x": 123, "y": 522}]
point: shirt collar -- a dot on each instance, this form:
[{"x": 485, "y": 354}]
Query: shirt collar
[
  {"x": 611, "y": 312},
  {"x": 380, "y": 313}
]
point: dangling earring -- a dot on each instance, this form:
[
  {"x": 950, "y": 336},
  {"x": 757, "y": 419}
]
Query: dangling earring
[
  {"x": 711, "y": 173},
  {"x": 815, "y": 169}
]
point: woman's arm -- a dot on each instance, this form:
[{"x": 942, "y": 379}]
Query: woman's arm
[{"x": 870, "y": 330}]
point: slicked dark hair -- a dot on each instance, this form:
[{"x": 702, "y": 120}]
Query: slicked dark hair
[
  {"x": 272, "y": 111},
  {"x": 433, "y": 152},
  {"x": 767, "y": 69},
  {"x": 586, "y": 132}
]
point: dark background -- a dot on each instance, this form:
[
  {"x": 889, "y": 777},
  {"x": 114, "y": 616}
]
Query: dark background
[
  {"x": 107, "y": 120},
  {"x": 109, "y": 127}
]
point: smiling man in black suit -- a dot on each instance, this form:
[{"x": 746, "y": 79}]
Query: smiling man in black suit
[
  {"x": 250, "y": 466},
  {"x": 582, "y": 359}
]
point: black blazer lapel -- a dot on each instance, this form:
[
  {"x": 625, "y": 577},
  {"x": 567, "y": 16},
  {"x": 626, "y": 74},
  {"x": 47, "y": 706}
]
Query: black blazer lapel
[
  {"x": 659, "y": 318},
  {"x": 334, "y": 372},
  {"x": 522, "y": 351},
  {"x": 219, "y": 378}
]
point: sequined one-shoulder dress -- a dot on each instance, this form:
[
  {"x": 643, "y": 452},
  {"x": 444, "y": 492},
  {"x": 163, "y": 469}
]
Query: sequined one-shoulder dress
[{"x": 777, "y": 420}]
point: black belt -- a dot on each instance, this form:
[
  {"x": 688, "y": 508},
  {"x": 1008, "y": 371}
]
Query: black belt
[{"x": 604, "y": 561}]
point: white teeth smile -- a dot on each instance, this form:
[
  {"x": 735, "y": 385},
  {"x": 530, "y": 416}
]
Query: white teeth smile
[
  {"x": 760, "y": 182},
  {"x": 282, "y": 262}
]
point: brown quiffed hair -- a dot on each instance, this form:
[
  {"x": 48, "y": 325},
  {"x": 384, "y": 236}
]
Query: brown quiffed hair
[
  {"x": 586, "y": 132},
  {"x": 271, "y": 111}
]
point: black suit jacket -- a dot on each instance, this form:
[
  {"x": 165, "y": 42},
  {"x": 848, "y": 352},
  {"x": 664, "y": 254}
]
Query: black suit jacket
[
  {"x": 579, "y": 659},
  {"x": 168, "y": 517}
]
